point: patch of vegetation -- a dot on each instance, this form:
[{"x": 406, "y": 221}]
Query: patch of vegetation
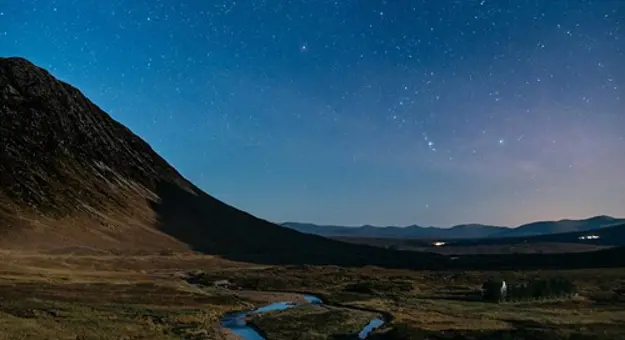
[
  {"x": 537, "y": 289},
  {"x": 100, "y": 304},
  {"x": 312, "y": 322},
  {"x": 40, "y": 319},
  {"x": 405, "y": 331},
  {"x": 139, "y": 297}
]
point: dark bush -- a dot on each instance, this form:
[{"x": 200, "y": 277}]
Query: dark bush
[
  {"x": 491, "y": 291},
  {"x": 532, "y": 290}
]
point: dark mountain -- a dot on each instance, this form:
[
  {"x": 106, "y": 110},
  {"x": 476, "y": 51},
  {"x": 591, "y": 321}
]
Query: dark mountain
[
  {"x": 559, "y": 227},
  {"x": 71, "y": 176},
  {"x": 564, "y": 243},
  {"x": 413, "y": 231},
  {"x": 473, "y": 231},
  {"x": 464, "y": 231},
  {"x": 614, "y": 235}
]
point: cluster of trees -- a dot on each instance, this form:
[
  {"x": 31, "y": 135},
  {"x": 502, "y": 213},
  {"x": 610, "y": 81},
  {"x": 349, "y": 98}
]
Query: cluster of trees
[{"x": 537, "y": 289}]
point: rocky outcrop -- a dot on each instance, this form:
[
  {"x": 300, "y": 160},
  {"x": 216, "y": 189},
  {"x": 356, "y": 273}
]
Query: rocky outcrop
[{"x": 58, "y": 149}]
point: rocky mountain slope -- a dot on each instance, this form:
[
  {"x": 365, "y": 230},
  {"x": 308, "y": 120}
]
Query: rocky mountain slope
[
  {"x": 64, "y": 162},
  {"x": 71, "y": 176}
]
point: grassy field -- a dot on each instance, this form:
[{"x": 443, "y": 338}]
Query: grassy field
[
  {"x": 45, "y": 296},
  {"x": 441, "y": 304},
  {"x": 110, "y": 297},
  {"x": 312, "y": 322}
]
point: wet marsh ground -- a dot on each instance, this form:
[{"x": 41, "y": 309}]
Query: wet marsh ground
[
  {"x": 444, "y": 305},
  {"x": 313, "y": 322},
  {"x": 45, "y": 296}
]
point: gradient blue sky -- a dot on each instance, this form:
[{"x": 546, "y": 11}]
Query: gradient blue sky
[{"x": 353, "y": 112}]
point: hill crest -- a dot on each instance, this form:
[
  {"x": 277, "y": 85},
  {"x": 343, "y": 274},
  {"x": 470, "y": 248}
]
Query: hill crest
[{"x": 462, "y": 231}]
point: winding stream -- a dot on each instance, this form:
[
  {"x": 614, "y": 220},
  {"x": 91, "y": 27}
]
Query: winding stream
[
  {"x": 235, "y": 322},
  {"x": 370, "y": 327}
]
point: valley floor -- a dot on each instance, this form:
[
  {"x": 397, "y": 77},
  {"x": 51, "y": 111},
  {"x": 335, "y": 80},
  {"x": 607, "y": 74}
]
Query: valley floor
[{"x": 73, "y": 296}]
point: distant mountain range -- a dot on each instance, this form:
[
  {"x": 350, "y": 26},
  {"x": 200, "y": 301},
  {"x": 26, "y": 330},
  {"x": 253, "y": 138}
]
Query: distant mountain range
[
  {"x": 464, "y": 231},
  {"x": 570, "y": 242},
  {"x": 612, "y": 235}
]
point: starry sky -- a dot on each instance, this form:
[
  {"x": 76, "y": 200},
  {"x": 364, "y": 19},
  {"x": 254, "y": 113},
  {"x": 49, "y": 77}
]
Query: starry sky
[{"x": 358, "y": 112}]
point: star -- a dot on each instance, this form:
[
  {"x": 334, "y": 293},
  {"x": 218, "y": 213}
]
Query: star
[{"x": 299, "y": 83}]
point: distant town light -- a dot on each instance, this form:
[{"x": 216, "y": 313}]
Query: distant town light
[{"x": 589, "y": 237}]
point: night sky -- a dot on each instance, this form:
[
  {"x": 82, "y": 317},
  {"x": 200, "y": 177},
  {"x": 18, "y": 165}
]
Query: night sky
[{"x": 358, "y": 112}]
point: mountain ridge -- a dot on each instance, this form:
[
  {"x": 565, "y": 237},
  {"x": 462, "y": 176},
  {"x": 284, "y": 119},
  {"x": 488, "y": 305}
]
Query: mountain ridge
[
  {"x": 611, "y": 235},
  {"x": 461, "y": 231},
  {"x": 560, "y": 243}
]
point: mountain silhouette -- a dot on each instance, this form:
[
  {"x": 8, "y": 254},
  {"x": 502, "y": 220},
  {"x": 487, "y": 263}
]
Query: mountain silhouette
[
  {"x": 463, "y": 231},
  {"x": 413, "y": 231},
  {"x": 611, "y": 235},
  {"x": 71, "y": 176},
  {"x": 560, "y": 227}
]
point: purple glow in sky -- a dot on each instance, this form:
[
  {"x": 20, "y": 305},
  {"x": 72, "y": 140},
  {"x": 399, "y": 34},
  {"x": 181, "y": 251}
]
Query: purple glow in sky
[{"x": 358, "y": 112}]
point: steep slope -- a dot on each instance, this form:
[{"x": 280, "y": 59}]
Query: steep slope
[
  {"x": 71, "y": 176},
  {"x": 64, "y": 160}
]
